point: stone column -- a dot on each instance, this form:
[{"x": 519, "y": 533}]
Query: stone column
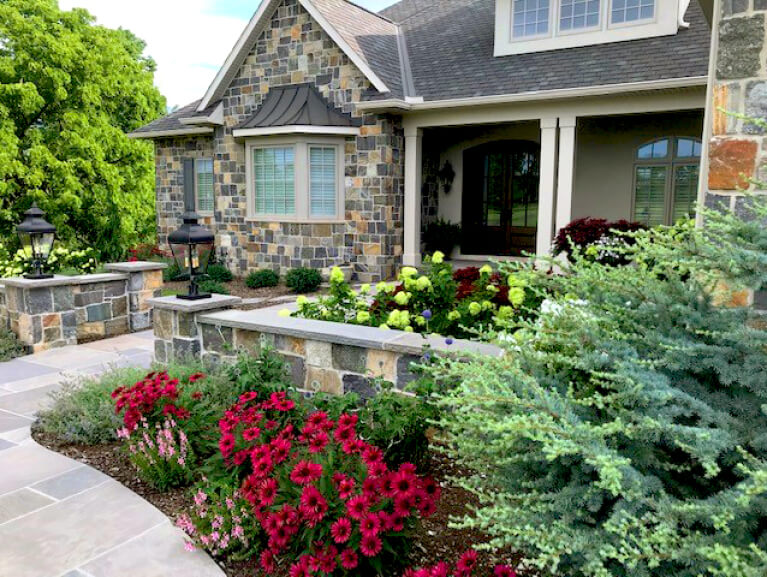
[
  {"x": 61, "y": 311},
  {"x": 177, "y": 332},
  {"x": 144, "y": 283},
  {"x": 413, "y": 183},
  {"x": 566, "y": 176},
  {"x": 737, "y": 149},
  {"x": 548, "y": 167}
]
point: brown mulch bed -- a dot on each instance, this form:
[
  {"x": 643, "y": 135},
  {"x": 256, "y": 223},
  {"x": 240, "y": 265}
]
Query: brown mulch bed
[
  {"x": 433, "y": 542},
  {"x": 238, "y": 288}
]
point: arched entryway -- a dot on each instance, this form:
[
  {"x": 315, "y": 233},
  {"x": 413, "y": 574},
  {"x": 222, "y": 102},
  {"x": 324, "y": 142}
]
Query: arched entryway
[{"x": 500, "y": 198}]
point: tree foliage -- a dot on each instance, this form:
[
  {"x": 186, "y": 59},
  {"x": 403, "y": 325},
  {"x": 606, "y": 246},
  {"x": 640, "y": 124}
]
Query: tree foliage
[
  {"x": 625, "y": 432},
  {"x": 69, "y": 91}
]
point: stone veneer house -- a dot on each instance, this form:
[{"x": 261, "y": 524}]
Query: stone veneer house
[{"x": 334, "y": 135}]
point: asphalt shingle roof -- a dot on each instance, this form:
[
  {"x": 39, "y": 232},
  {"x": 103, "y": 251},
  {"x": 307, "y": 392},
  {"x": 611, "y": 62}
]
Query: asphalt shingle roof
[
  {"x": 451, "y": 42},
  {"x": 370, "y": 35},
  {"x": 173, "y": 120}
]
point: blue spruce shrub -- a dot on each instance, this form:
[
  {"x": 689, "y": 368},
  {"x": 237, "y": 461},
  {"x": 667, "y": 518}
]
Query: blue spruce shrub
[{"x": 625, "y": 432}]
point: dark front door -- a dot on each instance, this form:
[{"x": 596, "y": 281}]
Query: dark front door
[{"x": 500, "y": 198}]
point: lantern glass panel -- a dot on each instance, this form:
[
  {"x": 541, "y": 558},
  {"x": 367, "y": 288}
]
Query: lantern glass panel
[
  {"x": 26, "y": 245},
  {"x": 44, "y": 245}
]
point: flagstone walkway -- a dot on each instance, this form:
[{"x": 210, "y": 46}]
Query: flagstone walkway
[{"x": 59, "y": 518}]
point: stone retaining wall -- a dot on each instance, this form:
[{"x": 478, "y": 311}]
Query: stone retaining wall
[
  {"x": 61, "y": 311},
  {"x": 322, "y": 357}
]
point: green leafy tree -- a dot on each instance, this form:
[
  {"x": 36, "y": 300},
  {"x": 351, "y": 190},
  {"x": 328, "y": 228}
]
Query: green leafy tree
[
  {"x": 625, "y": 432},
  {"x": 69, "y": 92}
]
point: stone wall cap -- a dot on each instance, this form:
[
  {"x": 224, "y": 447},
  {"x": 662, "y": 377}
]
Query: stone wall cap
[
  {"x": 137, "y": 266},
  {"x": 60, "y": 280},
  {"x": 173, "y": 303},
  {"x": 269, "y": 321}
]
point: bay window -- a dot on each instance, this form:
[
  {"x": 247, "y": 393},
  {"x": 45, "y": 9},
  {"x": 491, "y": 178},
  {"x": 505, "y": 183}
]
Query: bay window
[{"x": 295, "y": 180}]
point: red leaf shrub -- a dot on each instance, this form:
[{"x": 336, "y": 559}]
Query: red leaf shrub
[
  {"x": 465, "y": 567},
  {"x": 593, "y": 232},
  {"x": 323, "y": 497}
]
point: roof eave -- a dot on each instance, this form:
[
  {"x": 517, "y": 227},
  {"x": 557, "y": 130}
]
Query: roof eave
[
  {"x": 152, "y": 134},
  {"x": 297, "y": 129},
  {"x": 411, "y": 105}
]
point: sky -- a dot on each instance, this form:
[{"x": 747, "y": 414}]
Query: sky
[{"x": 189, "y": 39}]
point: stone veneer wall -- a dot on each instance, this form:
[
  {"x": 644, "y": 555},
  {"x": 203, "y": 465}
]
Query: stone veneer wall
[
  {"x": 322, "y": 357},
  {"x": 295, "y": 49},
  {"x": 61, "y": 311},
  {"x": 169, "y": 183},
  {"x": 738, "y": 149}
]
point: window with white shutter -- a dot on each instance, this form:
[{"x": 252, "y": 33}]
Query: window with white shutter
[{"x": 666, "y": 180}]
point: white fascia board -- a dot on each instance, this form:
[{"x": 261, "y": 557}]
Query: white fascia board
[
  {"x": 249, "y": 35},
  {"x": 216, "y": 117},
  {"x": 170, "y": 133},
  {"x": 355, "y": 57},
  {"x": 297, "y": 129},
  {"x": 606, "y": 90},
  {"x": 236, "y": 56}
]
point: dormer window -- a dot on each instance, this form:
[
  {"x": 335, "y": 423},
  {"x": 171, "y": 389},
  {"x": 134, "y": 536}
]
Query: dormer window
[
  {"x": 523, "y": 26},
  {"x": 579, "y": 14},
  {"x": 625, "y": 11},
  {"x": 531, "y": 18}
]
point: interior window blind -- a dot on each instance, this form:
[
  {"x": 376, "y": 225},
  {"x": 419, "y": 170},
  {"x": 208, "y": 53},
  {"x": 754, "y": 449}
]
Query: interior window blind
[
  {"x": 323, "y": 181},
  {"x": 650, "y": 195},
  {"x": 204, "y": 172},
  {"x": 274, "y": 176}
]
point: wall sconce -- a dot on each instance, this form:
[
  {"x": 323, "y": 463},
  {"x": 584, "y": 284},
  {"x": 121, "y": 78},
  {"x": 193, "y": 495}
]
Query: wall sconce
[{"x": 446, "y": 176}]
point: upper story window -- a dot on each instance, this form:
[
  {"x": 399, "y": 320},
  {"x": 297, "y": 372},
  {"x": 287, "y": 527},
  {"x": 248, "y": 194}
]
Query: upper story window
[
  {"x": 536, "y": 25},
  {"x": 579, "y": 14},
  {"x": 666, "y": 180},
  {"x": 531, "y": 18},
  {"x": 295, "y": 180},
  {"x": 624, "y": 11}
]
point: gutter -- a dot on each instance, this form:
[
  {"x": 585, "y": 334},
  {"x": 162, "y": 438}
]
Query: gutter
[
  {"x": 606, "y": 90},
  {"x": 150, "y": 134}
]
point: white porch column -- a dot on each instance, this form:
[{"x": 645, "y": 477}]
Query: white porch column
[
  {"x": 413, "y": 184},
  {"x": 567, "y": 126},
  {"x": 548, "y": 167}
]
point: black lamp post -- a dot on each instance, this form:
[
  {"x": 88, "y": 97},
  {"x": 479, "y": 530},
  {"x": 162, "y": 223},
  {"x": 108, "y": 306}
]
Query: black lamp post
[
  {"x": 37, "y": 237},
  {"x": 192, "y": 246}
]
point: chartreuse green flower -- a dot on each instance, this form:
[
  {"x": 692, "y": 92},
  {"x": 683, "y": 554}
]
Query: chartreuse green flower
[
  {"x": 438, "y": 257},
  {"x": 423, "y": 283},
  {"x": 515, "y": 281},
  {"x": 363, "y": 317},
  {"x": 285, "y": 313},
  {"x": 420, "y": 321},
  {"x": 516, "y": 296},
  {"x": 475, "y": 308},
  {"x": 302, "y": 301},
  {"x": 487, "y": 269},
  {"x": 337, "y": 276},
  {"x": 402, "y": 298},
  {"x": 408, "y": 272},
  {"x": 365, "y": 289},
  {"x": 399, "y": 319},
  {"x": 453, "y": 315},
  {"x": 487, "y": 306}
]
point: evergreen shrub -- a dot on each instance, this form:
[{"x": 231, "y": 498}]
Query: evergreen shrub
[
  {"x": 262, "y": 279},
  {"x": 625, "y": 432},
  {"x": 303, "y": 280}
]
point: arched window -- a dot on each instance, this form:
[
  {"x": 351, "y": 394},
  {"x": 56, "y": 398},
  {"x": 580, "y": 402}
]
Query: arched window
[{"x": 666, "y": 180}]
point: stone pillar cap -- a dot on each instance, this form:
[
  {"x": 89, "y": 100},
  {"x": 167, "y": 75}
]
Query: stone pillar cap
[
  {"x": 173, "y": 303},
  {"x": 136, "y": 266}
]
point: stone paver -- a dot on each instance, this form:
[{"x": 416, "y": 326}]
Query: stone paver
[{"x": 59, "y": 518}]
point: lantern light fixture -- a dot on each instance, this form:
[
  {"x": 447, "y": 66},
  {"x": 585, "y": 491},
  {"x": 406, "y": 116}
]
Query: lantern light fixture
[
  {"x": 37, "y": 237},
  {"x": 192, "y": 246}
]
